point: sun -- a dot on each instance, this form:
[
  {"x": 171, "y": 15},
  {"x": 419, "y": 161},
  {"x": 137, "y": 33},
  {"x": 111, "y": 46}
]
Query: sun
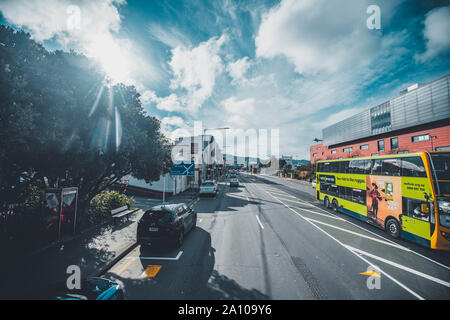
[{"x": 112, "y": 57}]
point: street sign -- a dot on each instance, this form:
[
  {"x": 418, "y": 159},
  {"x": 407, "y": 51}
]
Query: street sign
[{"x": 183, "y": 169}]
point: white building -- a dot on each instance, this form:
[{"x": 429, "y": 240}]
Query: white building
[{"x": 186, "y": 149}]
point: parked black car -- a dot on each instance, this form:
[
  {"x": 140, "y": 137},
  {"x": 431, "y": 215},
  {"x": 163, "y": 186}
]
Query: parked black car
[{"x": 166, "y": 224}]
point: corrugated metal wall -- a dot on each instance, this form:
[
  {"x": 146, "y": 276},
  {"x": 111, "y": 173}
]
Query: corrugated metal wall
[{"x": 427, "y": 103}]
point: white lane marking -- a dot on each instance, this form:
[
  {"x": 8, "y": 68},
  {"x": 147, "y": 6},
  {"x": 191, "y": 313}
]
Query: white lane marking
[
  {"x": 357, "y": 234},
  {"x": 397, "y": 265},
  {"x": 320, "y": 214},
  {"x": 259, "y": 221},
  {"x": 388, "y": 240},
  {"x": 159, "y": 258},
  {"x": 290, "y": 200},
  {"x": 283, "y": 194},
  {"x": 356, "y": 254}
]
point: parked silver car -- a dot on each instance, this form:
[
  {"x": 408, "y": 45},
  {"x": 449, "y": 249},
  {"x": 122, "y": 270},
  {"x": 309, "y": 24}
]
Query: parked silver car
[{"x": 209, "y": 187}]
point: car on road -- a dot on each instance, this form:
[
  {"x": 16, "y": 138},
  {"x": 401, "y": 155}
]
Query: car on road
[
  {"x": 166, "y": 224},
  {"x": 234, "y": 182},
  {"x": 313, "y": 183},
  {"x": 209, "y": 187},
  {"x": 95, "y": 288}
]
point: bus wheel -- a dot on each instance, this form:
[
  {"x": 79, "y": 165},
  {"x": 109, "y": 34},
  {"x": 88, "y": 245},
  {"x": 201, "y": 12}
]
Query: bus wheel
[
  {"x": 393, "y": 228},
  {"x": 326, "y": 202},
  {"x": 335, "y": 205}
]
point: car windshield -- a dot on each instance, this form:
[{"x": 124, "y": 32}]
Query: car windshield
[{"x": 207, "y": 184}]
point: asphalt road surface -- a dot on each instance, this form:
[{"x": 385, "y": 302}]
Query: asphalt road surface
[{"x": 269, "y": 239}]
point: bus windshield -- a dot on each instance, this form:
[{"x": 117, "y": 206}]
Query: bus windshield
[{"x": 441, "y": 165}]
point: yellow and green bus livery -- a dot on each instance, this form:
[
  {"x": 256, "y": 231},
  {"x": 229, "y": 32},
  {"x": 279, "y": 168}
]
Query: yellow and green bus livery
[{"x": 408, "y": 195}]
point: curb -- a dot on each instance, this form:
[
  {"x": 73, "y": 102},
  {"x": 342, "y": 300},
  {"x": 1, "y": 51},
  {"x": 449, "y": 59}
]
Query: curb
[
  {"x": 118, "y": 257},
  {"x": 71, "y": 238}
]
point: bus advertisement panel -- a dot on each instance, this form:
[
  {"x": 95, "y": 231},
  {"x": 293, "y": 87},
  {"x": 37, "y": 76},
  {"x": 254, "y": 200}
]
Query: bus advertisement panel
[{"x": 384, "y": 198}]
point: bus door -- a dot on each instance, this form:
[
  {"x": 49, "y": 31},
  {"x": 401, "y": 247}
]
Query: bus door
[{"x": 416, "y": 220}]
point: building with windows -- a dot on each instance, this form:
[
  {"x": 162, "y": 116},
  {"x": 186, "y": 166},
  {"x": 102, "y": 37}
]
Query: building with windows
[
  {"x": 416, "y": 120},
  {"x": 208, "y": 160}
]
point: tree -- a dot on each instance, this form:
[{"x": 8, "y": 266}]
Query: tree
[{"x": 61, "y": 119}]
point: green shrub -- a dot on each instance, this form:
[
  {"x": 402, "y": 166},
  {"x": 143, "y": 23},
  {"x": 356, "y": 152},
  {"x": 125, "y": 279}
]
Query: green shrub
[{"x": 102, "y": 204}]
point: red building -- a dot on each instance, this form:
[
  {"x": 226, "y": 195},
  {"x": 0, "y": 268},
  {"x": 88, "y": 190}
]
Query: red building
[{"x": 417, "y": 120}]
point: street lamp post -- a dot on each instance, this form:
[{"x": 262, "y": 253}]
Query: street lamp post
[{"x": 203, "y": 147}]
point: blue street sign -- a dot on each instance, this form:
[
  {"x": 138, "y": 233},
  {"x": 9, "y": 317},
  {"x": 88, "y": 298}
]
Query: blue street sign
[{"x": 183, "y": 169}]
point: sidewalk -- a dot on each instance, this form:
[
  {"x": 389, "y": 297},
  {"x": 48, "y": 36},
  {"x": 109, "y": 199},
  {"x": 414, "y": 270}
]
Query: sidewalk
[
  {"x": 36, "y": 275},
  {"x": 33, "y": 276}
]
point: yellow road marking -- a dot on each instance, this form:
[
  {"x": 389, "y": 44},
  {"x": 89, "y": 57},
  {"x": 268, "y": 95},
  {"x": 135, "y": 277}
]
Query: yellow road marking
[
  {"x": 151, "y": 271},
  {"x": 126, "y": 266},
  {"x": 371, "y": 273}
]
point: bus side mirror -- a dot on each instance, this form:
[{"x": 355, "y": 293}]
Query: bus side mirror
[{"x": 427, "y": 197}]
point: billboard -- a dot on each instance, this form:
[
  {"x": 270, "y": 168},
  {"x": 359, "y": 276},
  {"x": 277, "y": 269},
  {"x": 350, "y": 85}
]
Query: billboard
[{"x": 60, "y": 211}]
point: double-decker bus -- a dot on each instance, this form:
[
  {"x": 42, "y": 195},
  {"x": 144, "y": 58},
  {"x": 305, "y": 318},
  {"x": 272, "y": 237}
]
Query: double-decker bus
[{"x": 408, "y": 195}]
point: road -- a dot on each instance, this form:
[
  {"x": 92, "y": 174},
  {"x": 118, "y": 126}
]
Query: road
[{"x": 269, "y": 239}]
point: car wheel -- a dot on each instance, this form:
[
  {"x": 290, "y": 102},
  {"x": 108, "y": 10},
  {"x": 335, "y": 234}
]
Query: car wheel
[
  {"x": 326, "y": 202},
  {"x": 335, "y": 205},
  {"x": 180, "y": 239},
  {"x": 393, "y": 228}
]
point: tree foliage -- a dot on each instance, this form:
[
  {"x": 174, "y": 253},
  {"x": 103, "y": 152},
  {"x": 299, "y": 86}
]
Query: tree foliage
[{"x": 61, "y": 119}]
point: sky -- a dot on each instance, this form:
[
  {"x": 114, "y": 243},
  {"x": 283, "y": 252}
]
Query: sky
[{"x": 295, "y": 66}]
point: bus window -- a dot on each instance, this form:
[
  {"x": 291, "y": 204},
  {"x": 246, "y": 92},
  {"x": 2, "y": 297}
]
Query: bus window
[
  {"x": 413, "y": 167},
  {"x": 376, "y": 168},
  {"x": 341, "y": 190},
  {"x": 359, "y": 196},
  {"x": 352, "y": 168},
  {"x": 320, "y": 167},
  {"x": 391, "y": 167},
  {"x": 360, "y": 166},
  {"x": 416, "y": 209},
  {"x": 366, "y": 166},
  {"x": 343, "y": 166},
  {"x": 334, "y": 166},
  {"x": 333, "y": 190},
  {"x": 326, "y": 167}
]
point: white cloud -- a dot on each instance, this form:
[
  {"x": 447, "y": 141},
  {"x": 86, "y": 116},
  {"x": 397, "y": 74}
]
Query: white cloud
[
  {"x": 175, "y": 127},
  {"x": 436, "y": 33},
  {"x": 89, "y": 27},
  {"x": 238, "y": 69},
  {"x": 318, "y": 35},
  {"x": 195, "y": 70},
  {"x": 46, "y": 19},
  {"x": 170, "y": 36},
  {"x": 173, "y": 121},
  {"x": 169, "y": 103}
]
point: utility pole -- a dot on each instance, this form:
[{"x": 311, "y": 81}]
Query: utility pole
[{"x": 203, "y": 144}]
